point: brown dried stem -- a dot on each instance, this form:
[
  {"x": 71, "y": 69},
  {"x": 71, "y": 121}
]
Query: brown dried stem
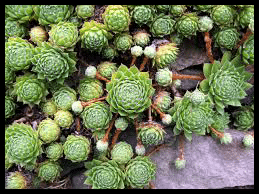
[
  {"x": 208, "y": 42},
  {"x": 77, "y": 121},
  {"x": 142, "y": 66},
  {"x": 115, "y": 137},
  {"x": 84, "y": 104},
  {"x": 158, "y": 111},
  {"x": 133, "y": 60}
]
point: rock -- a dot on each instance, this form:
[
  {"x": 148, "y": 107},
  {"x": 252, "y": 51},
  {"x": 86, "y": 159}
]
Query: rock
[{"x": 209, "y": 164}]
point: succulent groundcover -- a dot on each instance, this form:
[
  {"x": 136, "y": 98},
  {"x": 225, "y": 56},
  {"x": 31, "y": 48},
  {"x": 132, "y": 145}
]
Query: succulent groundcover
[{"x": 77, "y": 77}]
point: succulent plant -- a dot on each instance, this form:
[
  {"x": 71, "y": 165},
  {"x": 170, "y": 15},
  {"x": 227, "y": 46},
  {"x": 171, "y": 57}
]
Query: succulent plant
[
  {"x": 162, "y": 100},
  {"x": 248, "y": 141},
  {"x": 53, "y": 63},
  {"x": 151, "y": 133},
  {"x": 38, "y": 34},
  {"x": 54, "y": 151},
  {"x": 64, "y": 97},
  {"x": 49, "y": 107},
  {"x": 123, "y": 41},
  {"x": 226, "y": 38},
  {"x": 63, "y": 35},
  {"x": 22, "y": 145},
  {"x": 143, "y": 14},
  {"x": 248, "y": 50},
  {"x": 13, "y": 28},
  {"x": 165, "y": 55},
  {"x": 204, "y": 8},
  {"x": 77, "y": 107},
  {"x": 121, "y": 123},
  {"x": 49, "y": 170},
  {"x": 48, "y": 130},
  {"x": 139, "y": 172},
  {"x": 129, "y": 91},
  {"x": 85, "y": 11},
  {"x": 220, "y": 122},
  {"x": 96, "y": 116},
  {"x": 205, "y": 23},
  {"x": 9, "y": 76},
  {"x": 29, "y": 89},
  {"x": 90, "y": 88},
  {"x": 94, "y": 36},
  {"x": 116, "y": 18},
  {"x": 226, "y": 139},
  {"x": 18, "y": 53},
  {"x": 109, "y": 52},
  {"x": 52, "y": 14},
  {"x": 76, "y": 148},
  {"x": 225, "y": 82},
  {"x": 245, "y": 15},
  {"x": 244, "y": 118},
  {"x": 222, "y": 15},
  {"x": 191, "y": 117},
  {"x": 10, "y": 107},
  {"x": 141, "y": 38},
  {"x": 17, "y": 180},
  {"x": 136, "y": 51},
  {"x": 162, "y": 25},
  {"x": 106, "y": 69},
  {"x": 140, "y": 150},
  {"x": 150, "y": 51},
  {"x": 63, "y": 118},
  {"x": 20, "y": 13},
  {"x": 251, "y": 25},
  {"x": 104, "y": 175},
  {"x": 177, "y": 10},
  {"x": 90, "y": 71},
  {"x": 121, "y": 152},
  {"x": 163, "y": 8},
  {"x": 180, "y": 163},
  {"x": 187, "y": 25}
]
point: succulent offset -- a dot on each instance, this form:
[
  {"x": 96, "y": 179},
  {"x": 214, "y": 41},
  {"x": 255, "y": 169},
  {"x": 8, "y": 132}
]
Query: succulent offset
[
  {"x": 49, "y": 170},
  {"x": 162, "y": 25}
]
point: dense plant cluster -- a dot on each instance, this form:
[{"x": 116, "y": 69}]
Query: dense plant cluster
[{"x": 73, "y": 75}]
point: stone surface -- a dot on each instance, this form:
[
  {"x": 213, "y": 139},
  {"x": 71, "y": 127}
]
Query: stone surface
[{"x": 209, "y": 165}]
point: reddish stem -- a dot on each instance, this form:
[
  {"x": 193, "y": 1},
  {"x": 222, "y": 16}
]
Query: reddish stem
[
  {"x": 142, "y": 66},
  {"x": 158, "y": 111},
  {"x": 181, "y": 147},
  {"x": 77, "y": 121},
  {"x": 99, "y": 77},
  {"x": 133, "y": 60},
  {"x": 84, "y": 104},
  {"x": 208, "y": 42},
  {"x": 244, "y": 38},
  {"x": 115, "y": 137},
  {"x": 218, "y": 133},
  {"x": 191, "y": 77},
  {"x": 106, "y": 136}
]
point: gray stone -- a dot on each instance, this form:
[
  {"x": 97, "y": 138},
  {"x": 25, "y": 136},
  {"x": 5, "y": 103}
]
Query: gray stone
[{"x": 209, "y": 164}]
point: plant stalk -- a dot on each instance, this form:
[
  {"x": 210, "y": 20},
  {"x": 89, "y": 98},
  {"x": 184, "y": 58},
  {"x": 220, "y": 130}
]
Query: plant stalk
[
  {"x": 208, "y": 42},
  {"x": 84, "y": 104},
  {"x": 142, "y": 66}
]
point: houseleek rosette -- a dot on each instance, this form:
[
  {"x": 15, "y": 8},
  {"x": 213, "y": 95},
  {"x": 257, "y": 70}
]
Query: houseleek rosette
[
  {"x": 123, "y": 41},
  {"x": 52, "y": 14},
  {"x": 77, "y": 148},
  {"x": 139, "y": 172},
  {"x": 29, "y": 89},
  {"x": 187, "y": 25},
  {"x": 10, "y": 107},
  {"x": 104, "y": 175},
  {"x": 225, "y": 82},
  {"x": 244, "y": 118},
  {"x": 94, "y": 36},
  {"x": 122, "y": 152},
  {"x": 116, "y": 18},
  {"x": 222, "y": 15},
  {"x": 13, "y": 28},
  {"x": 96, "y": 116},
  {"x": 151, "y": 133},
  {"x": 107, "y": 68},
  {"x": 129, "y": 91},
  {"x": 54, "y": 151},
  {"x": 16, "y": 180},
  {"x": 90, "y": 88},
  {"x": 245, "y": 15},
  {"x": 18, "y": 53},
  {"x": 49, "y": 170},
  {"x": 165, "y": 55},
  {"x": 20, "y": 13},
  {"x": 53, "y": 63},
  {"x": 22, "y": 145},
  {"x": 190, "y": 117},
  {"x": 248, "y": 50},
  {"x": 162, "y": 25},
  {"x": 64, "y": 118},
  {"x": 64, "y": 34},
  {"x": 143, "y": 14},
  {"x": 64, "y": 97}
]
